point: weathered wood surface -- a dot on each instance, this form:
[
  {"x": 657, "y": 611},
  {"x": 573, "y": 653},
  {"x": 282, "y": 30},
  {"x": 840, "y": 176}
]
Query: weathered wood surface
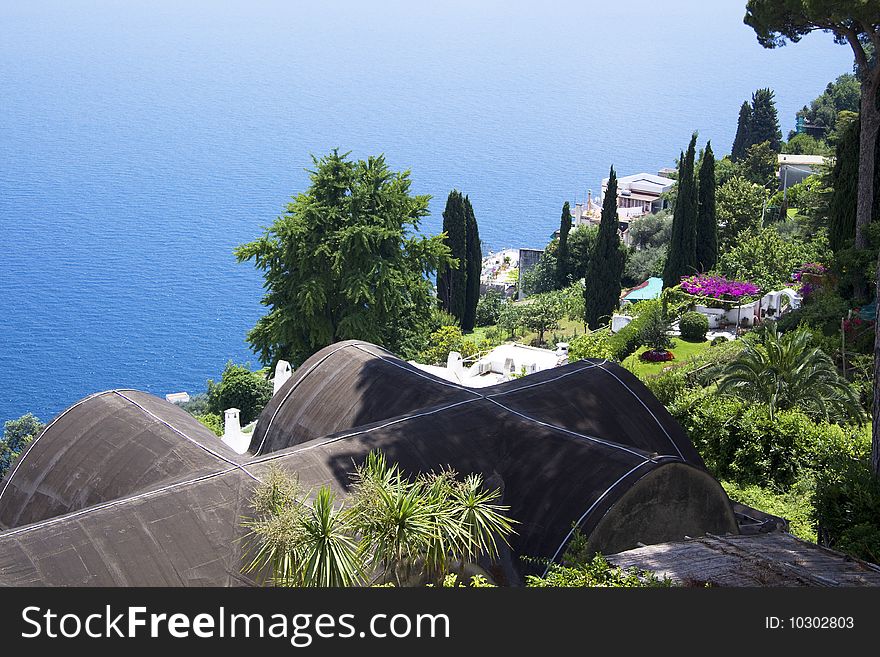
[{"x": 771, "y": 559}]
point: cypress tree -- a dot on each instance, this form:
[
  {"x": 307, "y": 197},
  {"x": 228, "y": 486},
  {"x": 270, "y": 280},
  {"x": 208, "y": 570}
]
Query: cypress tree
[
  {"x": 562, "y": 264},
  {"x": 682, "y": 257},
  {"x": 452, "y": 282},
  {"x": 605, "y": 267},
  {"x": 473, "y": 268},
  {"x": 843, "y": 180},
  {"x": 742, "y": 140},
  {"x": 707, "y": 225},
  {"x": 764, "y": 124}
]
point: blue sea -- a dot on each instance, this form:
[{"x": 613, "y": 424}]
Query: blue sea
[{"x": 141, "y": 141}]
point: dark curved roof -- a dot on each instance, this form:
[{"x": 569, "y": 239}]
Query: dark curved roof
[
  {"x": 105, "y": 447},
  {"x": 584, "y": 443}
]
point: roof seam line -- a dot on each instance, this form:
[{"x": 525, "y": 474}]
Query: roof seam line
[
  {"x": 184, "y": 435},
  {"x": 113, "y": 503},
  {"x": 656, "y": 419},
  {"x": 588, "y": 512},
  {"x": 37, "y": 439},
  {"x": 289, "y": 392},
  {"x": 282, "y": 453},
  {"x": 593, "y": 439}
]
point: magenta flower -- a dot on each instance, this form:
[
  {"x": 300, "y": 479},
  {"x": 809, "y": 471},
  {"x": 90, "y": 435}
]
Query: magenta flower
[{"x": 718, "y": 287}]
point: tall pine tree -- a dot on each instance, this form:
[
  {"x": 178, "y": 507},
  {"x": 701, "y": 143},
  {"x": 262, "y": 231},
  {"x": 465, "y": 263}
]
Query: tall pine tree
[
  {"x": 742, "y": 140},
  {"x": 764, "y": 125},
  {"x": 606, "y": 264},
  {"x": 473, "y": 268},
  {"x": 563, "y": 266},
  {"x": 681, "y": 259},
  {"x": 452, "y": 282},
  {"x": 707, "y": 224}
]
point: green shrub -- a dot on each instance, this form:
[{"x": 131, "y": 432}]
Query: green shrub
[
  {"x": 693, "y": 326},
  {"x": 668, "y": 385},
  {"x": 239, "y": 388},
  {"x": 795, "y": 504},
  {"x": 718, "y": 339},
  {"x": 822, "y": 310},
  {"x": 595, "y": 344},
  {"x": 213, "y": 421},
  {"x": 632, "y": 336},
  {"x": 596, "y": 572},
  {"x": 197, "y": 404},
  {"x": 17, "y": 435},
  {"x": 489, "y": 308},
  {"x": 848, "y": 508},
  {"x": 738, "y": 440},
  {"x": 442, "y": 342}
]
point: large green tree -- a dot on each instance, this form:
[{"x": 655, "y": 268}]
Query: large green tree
[
  {"x": 764, "y": 124},
  {"x": 759, "y": 166},
  {"x": 681, "y": 260},
  {"x": 707, "y": 222},
  {"x": 742, "y": 139},
  {"x": 239, "y": 388},
  {"x": 473, "y": 268},
  {"x": 562, "y": 258},
  {"x": 452, "y": 278},
  {"x": 345, "y": 262},
  {"x": 739, "y": 204},
  {"x": 605, "y": 268},
  {"x": 852, "y": 22}
]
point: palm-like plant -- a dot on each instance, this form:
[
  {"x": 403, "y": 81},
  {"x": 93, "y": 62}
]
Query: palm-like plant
[
  {"x": 299, "y": 544},
  {"x": 422, "y": 526},
  {"x": 330, "y": 556},
  {"x": 786, "y": 371},
  {"x": 396, "y": 528}
]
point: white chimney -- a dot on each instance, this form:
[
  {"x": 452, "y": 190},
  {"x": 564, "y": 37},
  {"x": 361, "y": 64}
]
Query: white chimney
[
  {"x": 454, "y": 362},
  {"x": 232, "y": 434},
  {"x": 282, "y": 374}
]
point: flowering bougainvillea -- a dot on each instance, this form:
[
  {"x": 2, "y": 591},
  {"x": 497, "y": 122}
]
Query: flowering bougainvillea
[
  {"x": 718, "y": 287},
  {"x": 808, "y": 275}
]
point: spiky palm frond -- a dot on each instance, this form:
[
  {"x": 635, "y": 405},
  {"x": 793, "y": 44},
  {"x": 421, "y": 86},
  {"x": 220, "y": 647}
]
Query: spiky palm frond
[
  {"x": 328, "y": 553},
  {"x": 481, "y": 518}
]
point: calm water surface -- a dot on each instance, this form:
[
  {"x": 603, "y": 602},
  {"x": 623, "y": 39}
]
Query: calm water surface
[{"x": 140, "y": 142}]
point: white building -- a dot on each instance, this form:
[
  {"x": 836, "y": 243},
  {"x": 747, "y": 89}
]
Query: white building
[
  {"x": 640, "y": 193},
  {"x": 503, "y": 363}
]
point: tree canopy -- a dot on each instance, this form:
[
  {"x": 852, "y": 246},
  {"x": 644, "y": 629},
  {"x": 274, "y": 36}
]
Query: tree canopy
[
  {"x": 841, "y": 95},
  {"x": 345, "y": 262},
  {"x": 707, "y": 223},
  {"x": 739, "y": 207},
  {"x": 681, "y": 259},
  {"x": 562, "y": 256},
  {"x": 602, "y": 292},
  {"x": 764, "y": 124},
  {"x": 452, "y": 279},
  {"x": 473, "y": 268}
]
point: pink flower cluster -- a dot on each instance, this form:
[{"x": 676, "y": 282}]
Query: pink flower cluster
[
  {"x": 652, "y": 356},
  {"x": 718, "y": 287}
]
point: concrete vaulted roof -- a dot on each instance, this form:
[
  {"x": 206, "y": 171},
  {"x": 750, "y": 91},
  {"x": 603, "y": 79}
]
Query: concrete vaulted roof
[{"x": 127, "y": 489}]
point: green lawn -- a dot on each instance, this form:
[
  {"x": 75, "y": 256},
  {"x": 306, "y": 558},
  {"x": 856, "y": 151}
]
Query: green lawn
[{"x": 682, "y": 350}]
